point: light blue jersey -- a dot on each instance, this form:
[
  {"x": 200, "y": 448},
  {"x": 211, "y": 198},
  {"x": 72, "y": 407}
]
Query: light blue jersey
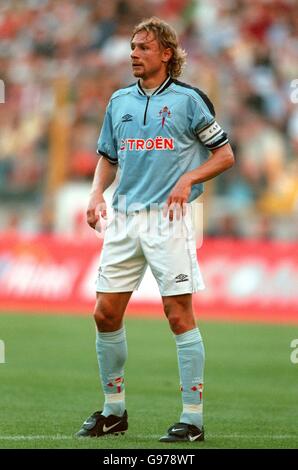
[{"x": 156, "y": 139}]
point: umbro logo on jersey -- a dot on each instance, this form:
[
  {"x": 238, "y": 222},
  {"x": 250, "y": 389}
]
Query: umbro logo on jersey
[
  {"x": 181, "y": 278},
  {"x": 127, "y": 118}
]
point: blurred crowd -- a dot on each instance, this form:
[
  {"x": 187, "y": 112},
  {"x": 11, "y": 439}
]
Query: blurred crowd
[{"x": 61, "y": 60}]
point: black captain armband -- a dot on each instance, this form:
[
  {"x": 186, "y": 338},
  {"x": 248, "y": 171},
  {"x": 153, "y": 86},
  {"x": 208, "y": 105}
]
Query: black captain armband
[{"x": 212, "y": 136}]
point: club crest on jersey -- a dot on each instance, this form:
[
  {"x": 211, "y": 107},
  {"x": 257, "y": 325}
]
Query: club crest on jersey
[{"x": 164, "y": 113}]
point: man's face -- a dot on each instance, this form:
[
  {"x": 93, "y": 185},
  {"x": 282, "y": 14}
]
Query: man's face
[{"x": 148, "y": 58}]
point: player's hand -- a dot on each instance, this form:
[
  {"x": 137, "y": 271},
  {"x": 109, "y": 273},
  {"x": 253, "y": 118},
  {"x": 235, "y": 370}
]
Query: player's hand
[
  {"x": 177, "y": 200},
  {"x": 96, "y": 208}
]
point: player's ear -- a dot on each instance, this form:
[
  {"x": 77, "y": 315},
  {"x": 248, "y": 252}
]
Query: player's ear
[{"x": 167, "y": 54}]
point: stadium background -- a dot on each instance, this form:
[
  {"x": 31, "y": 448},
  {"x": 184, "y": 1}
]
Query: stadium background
[{"x": 59, "y": 62}]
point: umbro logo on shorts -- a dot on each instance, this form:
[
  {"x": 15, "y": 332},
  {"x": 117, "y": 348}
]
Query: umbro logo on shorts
[
  {"x": 181, "y": 278},
  {"x": 126, "y": 118}
]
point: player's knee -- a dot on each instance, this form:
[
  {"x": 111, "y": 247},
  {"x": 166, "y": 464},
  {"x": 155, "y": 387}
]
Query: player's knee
[
  {"x": 175, "y": 318},
  {"x": 178, "y": 324},
  {"x": 174, "y": 321},
  {"x": 179, "y": 315},
  {"x": 104, "y": 315}
]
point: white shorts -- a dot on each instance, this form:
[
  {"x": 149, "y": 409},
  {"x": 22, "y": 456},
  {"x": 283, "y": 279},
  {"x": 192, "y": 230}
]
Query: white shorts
[{"x": 134, "y": 241}]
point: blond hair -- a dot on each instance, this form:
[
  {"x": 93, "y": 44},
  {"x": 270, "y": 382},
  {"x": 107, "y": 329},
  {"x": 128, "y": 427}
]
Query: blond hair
[{"x": 167, "y": 37}]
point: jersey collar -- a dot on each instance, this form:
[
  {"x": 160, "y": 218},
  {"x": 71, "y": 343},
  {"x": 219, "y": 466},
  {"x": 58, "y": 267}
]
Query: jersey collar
[{"x": 165, "y": 84}]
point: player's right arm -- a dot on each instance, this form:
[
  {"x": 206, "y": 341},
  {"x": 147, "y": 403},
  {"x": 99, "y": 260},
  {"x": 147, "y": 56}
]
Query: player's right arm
[
  {"x": 104, "y": 176},
  {"x": 105, "y": 171}
]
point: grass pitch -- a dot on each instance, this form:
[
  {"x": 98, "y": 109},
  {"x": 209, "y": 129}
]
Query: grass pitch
[{"x": 49, "y": 384}]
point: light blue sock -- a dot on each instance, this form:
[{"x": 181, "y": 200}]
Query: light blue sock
[
  {"x": 111, "y": 351},
  {"x": 191, "y": 359}
]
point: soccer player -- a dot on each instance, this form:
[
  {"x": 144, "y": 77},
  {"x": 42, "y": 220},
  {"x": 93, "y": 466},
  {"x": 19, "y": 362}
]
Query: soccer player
[{"x": 158, "y": 133}]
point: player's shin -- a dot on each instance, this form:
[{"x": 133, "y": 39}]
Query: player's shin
[
  {"x": 111, "y": 351},
  {"x": 191, "y": 359}
]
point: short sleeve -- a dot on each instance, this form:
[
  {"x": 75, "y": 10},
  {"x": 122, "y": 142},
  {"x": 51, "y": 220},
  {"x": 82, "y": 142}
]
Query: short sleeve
[
  {"x": 106, "y": 144},
  {"x": 204, "y": 125}
]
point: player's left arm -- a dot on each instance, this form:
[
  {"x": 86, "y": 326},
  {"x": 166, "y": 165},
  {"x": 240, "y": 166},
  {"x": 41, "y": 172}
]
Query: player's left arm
[{"x": 220, "y": 160}]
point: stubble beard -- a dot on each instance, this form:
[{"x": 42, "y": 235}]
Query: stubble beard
[{"x": 138, "y": 73}]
